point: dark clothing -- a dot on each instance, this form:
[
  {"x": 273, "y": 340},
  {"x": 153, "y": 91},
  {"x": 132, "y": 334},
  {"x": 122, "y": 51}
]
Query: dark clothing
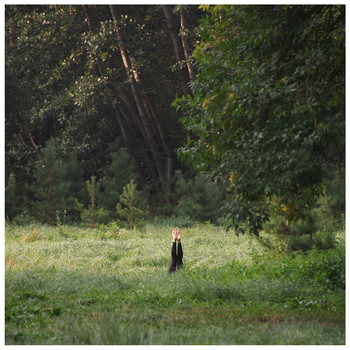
[{"x": 176, "y": 259}]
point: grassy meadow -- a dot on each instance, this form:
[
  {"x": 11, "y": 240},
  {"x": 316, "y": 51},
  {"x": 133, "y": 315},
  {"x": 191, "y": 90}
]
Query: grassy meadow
[{"x": 77, "y": 286}]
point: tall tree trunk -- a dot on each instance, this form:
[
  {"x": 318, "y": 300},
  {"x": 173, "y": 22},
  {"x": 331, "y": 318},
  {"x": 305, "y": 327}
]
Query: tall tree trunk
[
  {"x": 138, "y": 95},
  {"x": 178, "y": 49},
  {"x": 143, "y": 150},
  {"x": 117, "y": 112},
  {"x": 151, "y": 112},
  {"x": 185, "y": 43}
]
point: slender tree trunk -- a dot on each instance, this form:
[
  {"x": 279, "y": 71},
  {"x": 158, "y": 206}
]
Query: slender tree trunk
[
  {"x": 117, "y": 111},
  {"x": 178, "y": 49},
  {"x": 134, "y": 81},
  {"x": 142, "y": 151},
  {"x": 151, "y": 112},
  {"x": 185, "y": 43},
  {"x": 132, "y": 111}
]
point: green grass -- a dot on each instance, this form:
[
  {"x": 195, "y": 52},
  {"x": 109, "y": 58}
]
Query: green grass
[{"x": 73, "y": 285}]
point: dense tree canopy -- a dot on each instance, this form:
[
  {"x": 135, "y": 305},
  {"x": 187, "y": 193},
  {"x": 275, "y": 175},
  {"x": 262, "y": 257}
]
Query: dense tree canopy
[
  {"x": 267, "y": 116},
  {"x": 97, "y": 78},
  {"x": 66, "y": 66},
  {"x": 262, "y": 103}
]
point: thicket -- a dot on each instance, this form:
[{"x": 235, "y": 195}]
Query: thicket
[{"x": 61, "y": 195}]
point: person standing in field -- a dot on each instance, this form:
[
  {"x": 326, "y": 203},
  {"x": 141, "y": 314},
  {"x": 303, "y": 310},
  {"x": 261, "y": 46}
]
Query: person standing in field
[{"x": 176, "y": 256}]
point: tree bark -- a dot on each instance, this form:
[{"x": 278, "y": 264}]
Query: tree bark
[
  {"x": 178, "y": 49},
  {"x": 134, "y": 81},
  {"x": 117, "y": 112},
  {"x": 150, "y": 110},
  {"x": 185, "y": 43}
]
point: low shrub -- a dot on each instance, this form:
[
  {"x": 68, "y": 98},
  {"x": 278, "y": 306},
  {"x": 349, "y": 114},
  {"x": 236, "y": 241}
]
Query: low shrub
[{"x": 326, "y": 267}]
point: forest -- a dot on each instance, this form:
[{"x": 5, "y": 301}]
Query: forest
[
  {"x": 209, "y": 118},
  {"x": 124, "y": 121}
]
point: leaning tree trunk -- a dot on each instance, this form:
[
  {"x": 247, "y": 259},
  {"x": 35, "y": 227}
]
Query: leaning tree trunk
[
  {"x": 178, "y": 49},
  {"x": 117, "y": 111},
  {"x": 139, "y": 98},
  {"x": 185, "y": 43}
]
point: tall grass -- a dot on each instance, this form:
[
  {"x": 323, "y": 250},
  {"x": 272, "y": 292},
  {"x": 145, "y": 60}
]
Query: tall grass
[{"x": 69, "y": 285}]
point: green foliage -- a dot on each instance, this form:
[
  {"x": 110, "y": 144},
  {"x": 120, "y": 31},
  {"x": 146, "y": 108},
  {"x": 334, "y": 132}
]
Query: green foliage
[
  {"x": 318, "y": 229},
  {"x": 58, "y": 185},
  {"x": 130, "y": 209},
  {"x": 76, "y": 191},
  {"x": 197, "y": 199},
  {"x": 71, "y": 83},
  {"x": 92, "y": 189},
  {"x": 266, "y": 119},
  {"x": 325, "y": 267},
  {"x": 263, "y": 118},
  {"x": 93, "y": 213},
  {"x": 331, "y": 204},
  {"x": 51, "y": 188},
  {"x": 118, "y": 174},
  {"x": 12, "y": 199},
  {"x": 24, "y": 218},
  {"x": 245, "y": 215},
  {"x": 160, "y": 203},
  {"x": 91, "y": 217}
]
